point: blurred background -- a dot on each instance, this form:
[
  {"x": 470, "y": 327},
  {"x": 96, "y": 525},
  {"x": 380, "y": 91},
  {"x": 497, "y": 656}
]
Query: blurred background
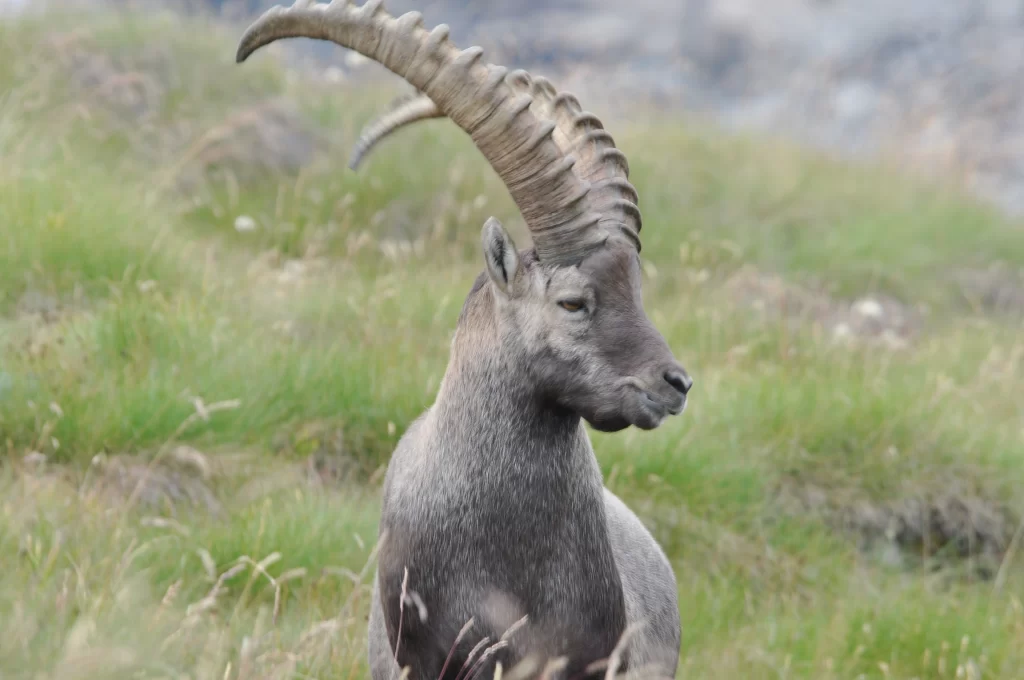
[
  {"x": 932, "y": 83},
  {"x": 213, "y": 333}
]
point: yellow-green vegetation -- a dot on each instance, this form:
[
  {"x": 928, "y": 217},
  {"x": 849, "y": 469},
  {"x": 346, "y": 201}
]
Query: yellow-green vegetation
[{"x": 212, "y": 334}]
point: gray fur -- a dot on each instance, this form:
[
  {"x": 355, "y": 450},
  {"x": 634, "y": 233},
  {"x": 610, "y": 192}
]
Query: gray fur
[{"x": 494, "y": 501}]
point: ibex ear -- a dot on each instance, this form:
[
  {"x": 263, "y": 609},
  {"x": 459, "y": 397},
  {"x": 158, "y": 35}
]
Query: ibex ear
[{"x": 501, "y": 255}]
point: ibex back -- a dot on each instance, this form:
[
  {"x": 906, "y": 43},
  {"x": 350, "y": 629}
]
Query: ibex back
[{"x": 499, "y": 542}]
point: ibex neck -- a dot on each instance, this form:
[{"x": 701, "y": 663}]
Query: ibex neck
[{"x": 487, "y": 399}]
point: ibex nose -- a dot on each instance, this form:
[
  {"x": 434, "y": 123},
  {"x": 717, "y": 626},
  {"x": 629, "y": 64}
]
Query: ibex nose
[{"x": 679, "y": 380}]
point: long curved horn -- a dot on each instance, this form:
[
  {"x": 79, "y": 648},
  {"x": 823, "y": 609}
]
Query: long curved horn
[
  {"x": 577, "y": 132},
  {"x": 518, "y": 143},
  {"x": 404, "y": 111}
]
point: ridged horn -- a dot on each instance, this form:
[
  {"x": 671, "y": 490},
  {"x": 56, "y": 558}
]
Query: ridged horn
[
  {"x": 515, "y": 140},
  {"x": 403, "y": 111},
  {"x": 576, "y": 131},
  {"x": 599, "y": 162}
]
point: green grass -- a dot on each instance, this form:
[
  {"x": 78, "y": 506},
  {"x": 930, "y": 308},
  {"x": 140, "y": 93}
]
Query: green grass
[
  {"x": 134, "y": 318},
  {"x": 811, "y": 217}
]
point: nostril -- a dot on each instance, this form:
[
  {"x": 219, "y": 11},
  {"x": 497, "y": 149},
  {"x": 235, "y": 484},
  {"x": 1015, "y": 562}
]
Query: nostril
[{"x": 679, "y": 380}]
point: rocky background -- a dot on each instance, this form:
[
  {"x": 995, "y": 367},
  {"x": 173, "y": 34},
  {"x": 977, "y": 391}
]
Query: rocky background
[{"x": 932, "y": 85}]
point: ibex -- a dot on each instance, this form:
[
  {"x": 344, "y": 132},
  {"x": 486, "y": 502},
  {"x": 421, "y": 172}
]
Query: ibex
[{"x": 499, "y": 542}]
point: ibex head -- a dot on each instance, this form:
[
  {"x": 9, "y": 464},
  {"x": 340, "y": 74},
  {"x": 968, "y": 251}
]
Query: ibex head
[
  {"x": 582, "y": 333},
  {"x": 570, "y": 309}
]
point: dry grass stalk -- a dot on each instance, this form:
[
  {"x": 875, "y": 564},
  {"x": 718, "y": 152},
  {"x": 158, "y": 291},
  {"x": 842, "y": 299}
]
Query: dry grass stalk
[
  {"x": 489, "y": 652},
  {"x": 472, "y": 653},
  {"x": 401, "y": 610},
  {"x": 616, "y": 658}
]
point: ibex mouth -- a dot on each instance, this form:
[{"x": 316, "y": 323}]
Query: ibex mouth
[{"x": 651, "y": 410}]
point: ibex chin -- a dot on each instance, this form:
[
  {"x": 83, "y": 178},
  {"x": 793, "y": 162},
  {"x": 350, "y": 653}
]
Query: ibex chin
[{"x": 499, "y": 542}]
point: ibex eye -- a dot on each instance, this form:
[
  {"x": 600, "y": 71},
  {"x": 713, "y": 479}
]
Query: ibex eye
[{"x": 571, "y": 305}]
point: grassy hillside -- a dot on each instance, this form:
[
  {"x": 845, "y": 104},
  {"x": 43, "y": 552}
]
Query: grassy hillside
[{"x": 212, "y": 334}]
